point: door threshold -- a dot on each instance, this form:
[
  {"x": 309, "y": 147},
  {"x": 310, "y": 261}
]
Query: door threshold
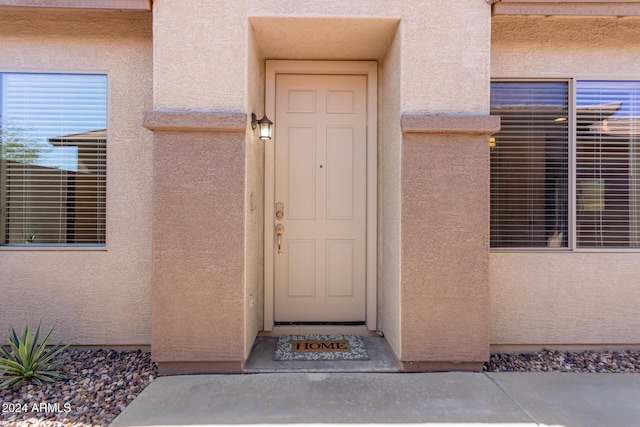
[
  {"x": 320, "y": 323},
  {"x": 381, "y": 359},
  {"x": 318, "y": 329}
]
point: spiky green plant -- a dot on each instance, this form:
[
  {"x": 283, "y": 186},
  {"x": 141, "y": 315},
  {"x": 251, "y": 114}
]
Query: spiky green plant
[{"x": 26, "y": 360}]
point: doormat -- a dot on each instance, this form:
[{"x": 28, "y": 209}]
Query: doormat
[{"x": 320, "y": 347}]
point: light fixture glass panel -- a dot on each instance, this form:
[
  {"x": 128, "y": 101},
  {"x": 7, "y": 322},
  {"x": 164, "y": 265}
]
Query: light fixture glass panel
[{"x": 265, "y": 130}]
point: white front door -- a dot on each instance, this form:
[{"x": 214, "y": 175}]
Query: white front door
[{"x": 321, "y": 189}]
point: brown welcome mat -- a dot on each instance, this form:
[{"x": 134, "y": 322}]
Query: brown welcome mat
[{"x": 320, "y": 347}]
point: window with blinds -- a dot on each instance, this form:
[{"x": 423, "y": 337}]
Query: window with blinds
[
  {"x": 607, "y": 164},
  {"x": 529, "y": 165},
  {"x": 53, "y": 143},
  {"x": 531, "y": 160}
]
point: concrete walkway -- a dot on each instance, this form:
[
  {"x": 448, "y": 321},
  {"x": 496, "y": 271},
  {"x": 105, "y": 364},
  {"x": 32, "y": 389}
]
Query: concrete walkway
[{"x": 435, "y": 399}]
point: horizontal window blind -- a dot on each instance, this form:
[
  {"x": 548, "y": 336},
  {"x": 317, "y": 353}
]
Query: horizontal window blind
[
  {"x": 53, "y": 168},
  {"x": 607, "y": 164},
  {"x": 529, "y": 165}
]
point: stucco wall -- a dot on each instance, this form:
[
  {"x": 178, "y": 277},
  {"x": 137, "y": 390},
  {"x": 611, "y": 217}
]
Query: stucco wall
[
  {"x": 254, "y": 196},
  {"x": 444, "y": 248},
  {"x": 565, "y": 47},
  {"x": 93, "y": 297},
  {"x": 444, "y": 186},
  {"x": 445, "y": 235},
  {"x": 198, "y": 247},
  {"x": 200, "y": 64},
  {"x": 565, "y": 298},
  {"x": 445, "y": 57},
  {"x": 588, "y": 298},
  {"x": 200, "y": 50},
  {"x": 389, "y": 157}
]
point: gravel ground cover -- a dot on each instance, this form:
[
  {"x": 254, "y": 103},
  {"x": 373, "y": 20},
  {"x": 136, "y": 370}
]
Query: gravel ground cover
[
  {"x": 101, "y": 383},
  {"x": 562, "y": 361}
]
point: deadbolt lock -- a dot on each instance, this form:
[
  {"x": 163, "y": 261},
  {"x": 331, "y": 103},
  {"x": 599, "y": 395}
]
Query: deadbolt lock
[{"x": 279, "y": 210}]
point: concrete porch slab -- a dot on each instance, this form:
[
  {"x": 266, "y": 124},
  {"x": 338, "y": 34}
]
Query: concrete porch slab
[{"x": 381, "y": 359}]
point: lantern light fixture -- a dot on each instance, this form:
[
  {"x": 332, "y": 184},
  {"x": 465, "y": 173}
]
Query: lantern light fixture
[{"x": 264, "y": 126}]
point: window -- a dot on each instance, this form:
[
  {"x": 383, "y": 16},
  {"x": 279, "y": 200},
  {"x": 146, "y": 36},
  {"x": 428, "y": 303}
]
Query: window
[
  {"x": 529, "y": 164},
  {"x": 560, "y": 182},
  {"x": 607, "y": 162},
  {"x": 53, "y": 159}
]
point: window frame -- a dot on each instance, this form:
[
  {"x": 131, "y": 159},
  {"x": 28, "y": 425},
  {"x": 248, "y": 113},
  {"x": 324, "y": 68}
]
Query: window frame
[
  {"x": 572, "y": 244},
  {"x": 56, "y": 247}
]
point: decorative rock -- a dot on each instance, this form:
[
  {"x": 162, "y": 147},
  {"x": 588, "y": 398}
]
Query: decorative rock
[
  {"x": 559, "y": 361},
  {"x": 99, "y": 386}
]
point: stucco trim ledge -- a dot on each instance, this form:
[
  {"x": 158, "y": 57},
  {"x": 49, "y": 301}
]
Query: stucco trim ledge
[
  {"x": 592, "y": 8},
  {"x": 186, "y": 121},
  {"x": 442, "y": 124},
  {"x": 81, "y": 4}
]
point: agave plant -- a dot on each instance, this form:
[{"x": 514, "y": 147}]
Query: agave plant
[{"x": 26, "y": 360}]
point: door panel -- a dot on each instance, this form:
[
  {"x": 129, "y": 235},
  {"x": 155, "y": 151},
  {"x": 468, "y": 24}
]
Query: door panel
[
  {"x": 340, "y": 272},
  {"x": 340, "y": 168},
  {"x": 320, "y": 178},
  {"x": 301, "y": 171},
  {"x": 301, "y": 259}
]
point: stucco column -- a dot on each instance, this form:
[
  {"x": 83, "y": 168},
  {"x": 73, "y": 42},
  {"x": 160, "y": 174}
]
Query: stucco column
[
  {"x": 445, "y": 241},
  {"x": 198, "y": 241},
  {"x": 199, "y": 124},
  {"x": 444, "y": 185}
]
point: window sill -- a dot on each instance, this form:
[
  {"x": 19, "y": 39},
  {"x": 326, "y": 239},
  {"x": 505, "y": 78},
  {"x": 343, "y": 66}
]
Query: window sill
[
  {"x": 563, "y": 250},
  {"x": 54, "y": 248}
]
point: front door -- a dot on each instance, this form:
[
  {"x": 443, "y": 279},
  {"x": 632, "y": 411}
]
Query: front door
[{"x": 320, "y": 222}]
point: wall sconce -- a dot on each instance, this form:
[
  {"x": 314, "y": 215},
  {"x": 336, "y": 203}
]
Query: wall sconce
[
  {"x": 492, "y": 143},
  {"x": 264, "y": 125}
]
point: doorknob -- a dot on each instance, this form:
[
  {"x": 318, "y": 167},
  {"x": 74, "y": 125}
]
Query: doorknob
[{"x": 279, "y": 233}]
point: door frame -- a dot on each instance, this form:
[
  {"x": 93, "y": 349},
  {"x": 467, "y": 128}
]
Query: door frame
[{"x": 370, "y": 70}]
